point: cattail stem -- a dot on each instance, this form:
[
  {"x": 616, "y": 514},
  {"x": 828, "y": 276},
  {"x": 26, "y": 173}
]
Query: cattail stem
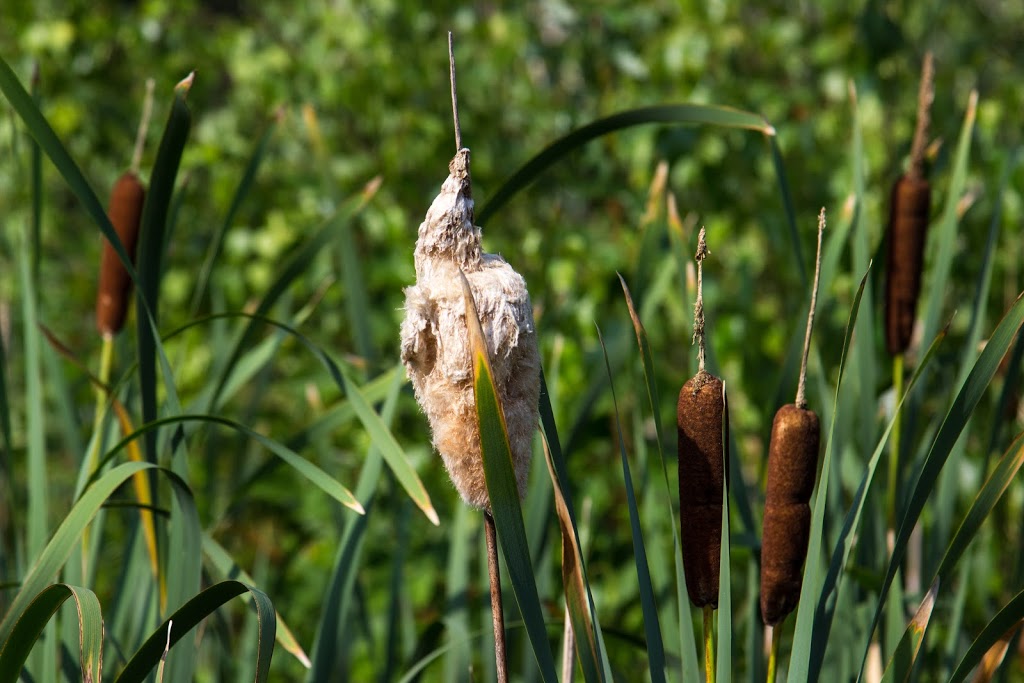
[
  {"x": 801, "y": 387},
  {"x": 455, "y": 98},
  {"x": 894, "y": 440},
  {"x": 698, "y": 308},
  {"x": 773, "y": 655},
  {"x": 709, "y": 643},
  {"x": 497, "y": 615},
  {"x": 92, "y": 457}
]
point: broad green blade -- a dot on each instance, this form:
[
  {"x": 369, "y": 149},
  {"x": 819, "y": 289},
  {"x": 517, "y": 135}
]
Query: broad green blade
[
  {"x": 680, "y": 114},
  {"x": 952, "y": 426},
  {"x": 723, "y": 664},
  {"x": 150, "y": 254},
  {"x": 827, "y": 602},
  {"x": 902, "y": 661},
  {"x": 14, "y": 650},
  {"x": 652, "y": 628},
  {"x": 805, "y": 630},
  {"x": 996, "y": 485},
  {"x": 311, "y": 472},
  {"x": 189, "y": 615},
  {"x": 226, "y": 567},
  {"x": 47, "y": 140},
  {"x": 504, "y": 493},
  {"x": 47, "y": 563},
  {"x": 1005, "y": 621},
  {"x": 361, "y": 405}
]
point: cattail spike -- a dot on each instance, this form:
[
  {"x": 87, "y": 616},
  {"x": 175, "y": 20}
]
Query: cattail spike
[
  {"x": 115, "y": 285},
  {"x": 801, "y": 387},
  {"x": 702, "y": 418},
  {"x": 924, "y": 103},
  {"x": 455, "y": 97}
]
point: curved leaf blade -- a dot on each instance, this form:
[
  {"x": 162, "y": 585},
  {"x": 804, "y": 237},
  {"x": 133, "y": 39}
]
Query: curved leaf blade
[
  {"x": 31, "y": 622},
  {"x": 679, "y": 114},
  {"x": 188, "y": 617}
]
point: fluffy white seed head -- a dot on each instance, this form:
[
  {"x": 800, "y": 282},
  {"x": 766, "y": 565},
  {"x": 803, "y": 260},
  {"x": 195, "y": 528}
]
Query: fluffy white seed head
[{"x": 435, "y": 339}]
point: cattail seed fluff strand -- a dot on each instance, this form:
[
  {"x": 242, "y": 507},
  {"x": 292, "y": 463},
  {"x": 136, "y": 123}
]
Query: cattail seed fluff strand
[{"x": 115, "y": 285}]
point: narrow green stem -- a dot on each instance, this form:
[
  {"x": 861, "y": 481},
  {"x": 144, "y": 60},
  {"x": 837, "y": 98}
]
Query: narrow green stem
[
  {"x": 773, "y": 655},
  {"x": 894, "y": 458},
  {"x": 92, "y": 457},
  {"x": 709, "y": 643}
]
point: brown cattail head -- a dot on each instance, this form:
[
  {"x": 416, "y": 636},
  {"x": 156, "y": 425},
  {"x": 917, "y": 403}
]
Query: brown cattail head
[
  {"x": 115, "y": 285},
  {"x": 702, "y": 419},
  {"x": 908, "y": 226},
  {"x": 792, "y": 465}
]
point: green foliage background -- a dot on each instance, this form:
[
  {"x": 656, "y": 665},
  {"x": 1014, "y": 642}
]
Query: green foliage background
[{"x": 360, "y": 90}]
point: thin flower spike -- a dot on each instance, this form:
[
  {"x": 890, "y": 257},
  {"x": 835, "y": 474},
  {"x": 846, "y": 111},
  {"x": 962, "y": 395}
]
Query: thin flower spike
[{"x": 435, "y": 344}]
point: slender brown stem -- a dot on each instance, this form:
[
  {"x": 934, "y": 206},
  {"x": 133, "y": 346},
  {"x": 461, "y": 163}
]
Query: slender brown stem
[
  {"x": 497, "y": 615},
  {"x": 801, "y": 387},
  {"x": 698, "y": 308},
  {"x": 924, "y": 103},
  {"x": 455, "y": 98}
]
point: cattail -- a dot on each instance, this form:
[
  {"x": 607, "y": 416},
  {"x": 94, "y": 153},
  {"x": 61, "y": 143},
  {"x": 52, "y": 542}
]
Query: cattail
[
  {"x": 792, "y": 465},
  {"x": 115, "y": 285},
  {"x": 435, "y": 344},
  {"x": 702, "y": 418},
  {"x": 908, "y": 224}
]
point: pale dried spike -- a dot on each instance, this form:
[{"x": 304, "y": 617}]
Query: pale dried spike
[
  {"x": 801, "y": 387},
  {"x": 924, "y": 104},
  {"x": 698, "y": 308}
]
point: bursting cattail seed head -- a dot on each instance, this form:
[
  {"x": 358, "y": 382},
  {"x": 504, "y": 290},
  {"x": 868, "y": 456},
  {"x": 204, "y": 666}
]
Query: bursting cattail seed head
[
  {"x": 435, "y": 341},
  {"x": 702, "y": 419},
  {"x": 115, "y": 285},
  {"x": 792, "y": 466}
]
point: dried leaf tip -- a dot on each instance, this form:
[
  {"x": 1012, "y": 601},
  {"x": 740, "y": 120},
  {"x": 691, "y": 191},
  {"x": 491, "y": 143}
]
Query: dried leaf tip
[{"x": 185, "y": 84}]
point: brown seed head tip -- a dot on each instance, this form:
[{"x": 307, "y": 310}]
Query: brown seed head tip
[
  {"x": 792, "y": 455},
  {"x": 125, "y": 211}
]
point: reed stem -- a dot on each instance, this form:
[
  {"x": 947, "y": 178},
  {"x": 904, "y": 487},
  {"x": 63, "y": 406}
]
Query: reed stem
[
  {"x": 497, "y": 615},
  {"x": 709, "y": 643}
]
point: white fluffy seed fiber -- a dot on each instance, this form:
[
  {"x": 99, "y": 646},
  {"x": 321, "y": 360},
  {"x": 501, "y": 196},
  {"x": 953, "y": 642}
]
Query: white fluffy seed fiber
[{"x": 435, "y": 339}]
